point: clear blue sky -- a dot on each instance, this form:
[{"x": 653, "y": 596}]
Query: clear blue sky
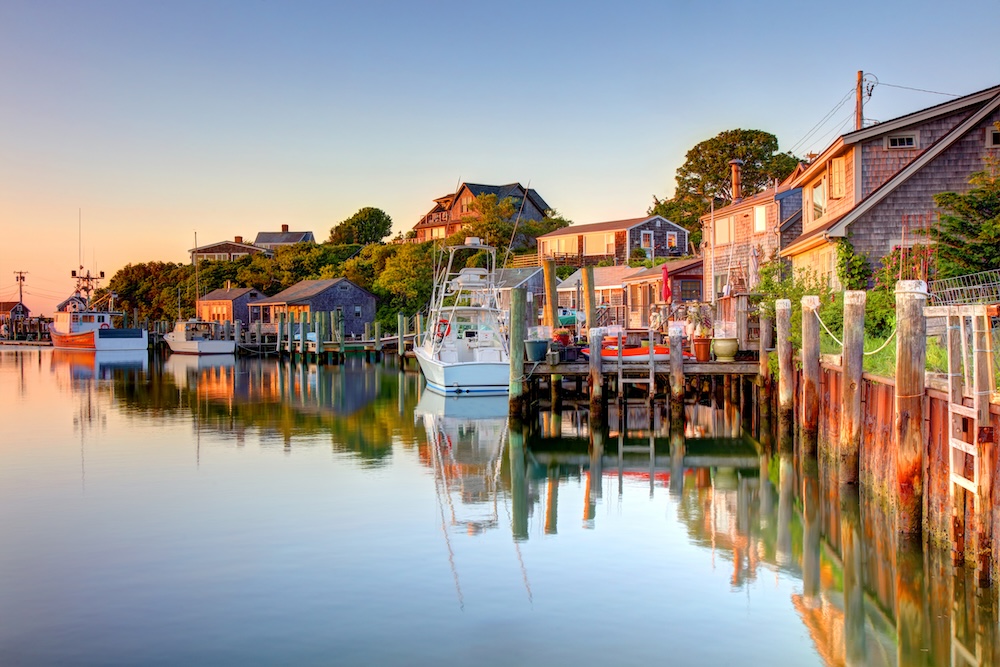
[{"x": 162, "y": 119}]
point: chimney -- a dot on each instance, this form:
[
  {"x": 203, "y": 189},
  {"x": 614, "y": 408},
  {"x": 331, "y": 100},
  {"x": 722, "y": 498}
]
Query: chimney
[
  {"x": 238, "y": 239},
  {"x": 229, "y": 285},
  {"x": 737, "y": 180},
  {"x": 284, "y": 228}
]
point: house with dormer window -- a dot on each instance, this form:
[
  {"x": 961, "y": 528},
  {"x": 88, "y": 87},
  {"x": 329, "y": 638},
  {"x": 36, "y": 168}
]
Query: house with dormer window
[
  {"x": 877, "y": 184},
  {"x": 451, "y": 212},
  {"x": 614, "y": 242}
]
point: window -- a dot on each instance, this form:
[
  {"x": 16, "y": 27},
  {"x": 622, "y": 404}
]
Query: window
[
  {"x": 759, "y": 219},
  {"x": 357, "y": 311},
  {"x": 690, "y": 290},
  {"x": 723, "y": 231},
  {"x": 671, "y": 239},
  {"x": 992, "y": 138},
  {"x": 838, "y": 177},
  {"x": 647, "y": 240},
  {"x": 901, "y": 141},
  {"x": 594, "y": 244},
  {"x": 819, "y": 200}
]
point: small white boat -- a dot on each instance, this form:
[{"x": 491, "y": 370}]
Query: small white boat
[
  {"x": 196, "y": 336},
  {"x": 465, "y": 348}
]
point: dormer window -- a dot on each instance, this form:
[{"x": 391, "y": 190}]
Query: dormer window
[{"x": 901, "y": 141}]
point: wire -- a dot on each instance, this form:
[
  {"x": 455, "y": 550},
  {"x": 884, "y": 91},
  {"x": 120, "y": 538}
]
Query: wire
[
  {"x": 919, "y": 90},
  {"x": 822, "y": 121}
]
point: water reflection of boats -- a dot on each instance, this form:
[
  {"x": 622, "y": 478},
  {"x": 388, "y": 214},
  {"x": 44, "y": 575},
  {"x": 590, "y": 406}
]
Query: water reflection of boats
[
  {"x": 213, "y": 374},
  {"x": 466, "y": 436},
  {"x": 99, "y": 364}
]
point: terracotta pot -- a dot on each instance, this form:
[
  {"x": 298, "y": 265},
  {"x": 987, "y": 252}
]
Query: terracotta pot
[
  {"x": 725, "y": 348},
  {"x": 702, "y": 348},
  {"x": 562, "y": 339}
]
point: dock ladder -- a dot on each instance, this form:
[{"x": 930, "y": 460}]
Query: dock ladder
[
  {"x": 970, "y": 375},
  {"x": 636, "y": 372}
]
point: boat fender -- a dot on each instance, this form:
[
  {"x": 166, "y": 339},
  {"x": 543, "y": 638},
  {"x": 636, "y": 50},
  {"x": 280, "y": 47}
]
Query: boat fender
[
  {"x": 105, "y": 325},
  {"x": 443, "y": 328}
]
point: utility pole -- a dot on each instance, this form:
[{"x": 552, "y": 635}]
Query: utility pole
[
  {"x": 858, "y": 114},
  {"x": 20, "y": 285}
]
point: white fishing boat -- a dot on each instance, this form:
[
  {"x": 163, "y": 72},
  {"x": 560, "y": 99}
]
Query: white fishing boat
[
  {"x": 197, "y": 336},
  {"x": 81, "y": 325},
  {"x": 465, "y": 348}
]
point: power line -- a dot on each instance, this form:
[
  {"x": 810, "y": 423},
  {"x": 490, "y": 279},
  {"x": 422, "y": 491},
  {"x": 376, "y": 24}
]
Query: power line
[
  {"x": 798, "y": 144},
  {"x": 919, "y": 90}
]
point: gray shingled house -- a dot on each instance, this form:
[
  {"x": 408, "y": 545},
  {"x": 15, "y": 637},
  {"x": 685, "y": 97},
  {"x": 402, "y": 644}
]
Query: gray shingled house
[
  {"x": 356, "y": 304},
  {"x": 272, "y": 240},
  {"x": 228, "y": 305}
]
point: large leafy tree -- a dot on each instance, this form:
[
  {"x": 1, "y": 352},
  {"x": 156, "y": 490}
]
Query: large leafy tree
[
  {"x": 967, "y": 237},
  {"x": 706, "y": 174},
  {"x": 368, "y": 225}
]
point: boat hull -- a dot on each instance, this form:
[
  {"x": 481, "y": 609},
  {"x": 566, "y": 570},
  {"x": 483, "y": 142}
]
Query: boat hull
[
  {"x": 200, "y": 346},
  {"x": 467, "y": 377},
  {"x": 101, "y": 339}
]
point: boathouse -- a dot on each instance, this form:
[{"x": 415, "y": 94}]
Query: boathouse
[
  {"x": 228, "y": 304},
  {"x": 355, "y": 305}
]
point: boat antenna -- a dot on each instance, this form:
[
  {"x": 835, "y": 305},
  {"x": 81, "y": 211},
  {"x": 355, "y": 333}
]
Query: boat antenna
[
  {"x": 517, "y": 220},
  {"x": 79, "y": 238},
  {"x": 197, "y": 294}
]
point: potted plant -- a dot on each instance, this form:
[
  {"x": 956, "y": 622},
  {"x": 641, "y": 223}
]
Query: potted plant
[
  {"x": 562, "y": 336},
  {"x": 700, "y": 331},
  {"x": 725, "y": 345}
]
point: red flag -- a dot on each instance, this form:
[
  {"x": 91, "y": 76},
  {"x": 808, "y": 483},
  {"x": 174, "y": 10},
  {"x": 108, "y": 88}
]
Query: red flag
[{"x": 665, "y": 292}]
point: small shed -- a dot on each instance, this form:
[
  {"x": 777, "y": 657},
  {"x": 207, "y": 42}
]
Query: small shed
[
  {"x": 228, "y": 304},
  {"x": 646, "y": 296},
  {"x": 355, "y": 304}
]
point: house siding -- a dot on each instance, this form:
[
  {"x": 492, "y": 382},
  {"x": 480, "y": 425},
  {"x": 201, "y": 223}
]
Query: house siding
[
  {"x": 659, "y": 239},
  {"x": 345, "y": 295},
  {"x": 897, "y": 219}
]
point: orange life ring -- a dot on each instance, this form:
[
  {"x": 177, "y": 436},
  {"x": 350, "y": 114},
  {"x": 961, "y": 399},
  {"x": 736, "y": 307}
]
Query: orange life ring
[
  {"x": 105, "y": 325},
  {"x": 443, "y": 328}
]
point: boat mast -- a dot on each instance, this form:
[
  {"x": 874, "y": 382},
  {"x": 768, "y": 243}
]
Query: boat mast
[{"x": 197, "y": 291}]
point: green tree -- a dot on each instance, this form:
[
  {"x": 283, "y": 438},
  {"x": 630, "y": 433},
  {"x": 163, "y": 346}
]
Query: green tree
[
  {"x": 967, "y": 238},
  {"x": 368, "y": 225},
  {"x": 706, "y": 175}
]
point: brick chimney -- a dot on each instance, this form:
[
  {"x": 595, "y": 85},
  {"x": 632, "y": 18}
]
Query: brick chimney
[
  {"x": 284, "y": 228},
  {"x": 737, "y": 180},
  {"x": 238, "y": 239}
]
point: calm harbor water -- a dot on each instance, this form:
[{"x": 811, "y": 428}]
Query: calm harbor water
[{"x": 177, "y": 510}]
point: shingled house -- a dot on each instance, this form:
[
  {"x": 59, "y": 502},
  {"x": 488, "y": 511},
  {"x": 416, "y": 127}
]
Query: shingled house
[
  {"x": 355, "y": 304},
  {"x": 451, "y": 212},
  {"x": 226, "y": 250},
  {"x": 228, "y": 304},
  {"x": 272, "y": 240},
  {"x": 585, "y": 245},
  {"x": 877, "y": 184}
]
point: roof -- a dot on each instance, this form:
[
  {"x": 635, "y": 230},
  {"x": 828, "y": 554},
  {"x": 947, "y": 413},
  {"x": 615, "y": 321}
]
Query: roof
[
  {"x": 783, "y": 190},
  {"x": 224, "y": 294},
  {"x": 304, "y": 290},
  {"x": 677, "y": 266},
  {"x": 7, "y": 306},
  {"x": 510, "y": 190},
  {"x": 510, "y": 278},
  {"x": 246, "y": 246},
  {"x": 283, "y": 238},
  {"x": 605, "y": 277},
  {"x": 811, "y": 238},
  {"x": 943, "y": 109},
  {"x": 612, "y": 226}
]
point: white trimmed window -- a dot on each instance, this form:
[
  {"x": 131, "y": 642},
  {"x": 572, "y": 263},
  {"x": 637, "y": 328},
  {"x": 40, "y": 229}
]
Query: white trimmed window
[
  {"x": 901, "y": 141},
  {"x": 723, "y": 231},
  {"x": 818, "y": 200},
  {"x": 671, "y": 239},
  {"x": 838, "y": 177},
  {"x": 759, "y": 219},
  {"x": 992, "y": 138},
  {"x": 647, "y": 240}
]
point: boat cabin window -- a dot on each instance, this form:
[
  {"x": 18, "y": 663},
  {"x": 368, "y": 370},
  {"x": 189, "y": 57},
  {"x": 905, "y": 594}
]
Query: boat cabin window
[{"x": 88, "y": 318}]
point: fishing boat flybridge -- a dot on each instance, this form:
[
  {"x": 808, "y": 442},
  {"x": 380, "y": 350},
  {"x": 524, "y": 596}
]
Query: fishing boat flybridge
[
  {"x": 82, "y": 325},
  {"x": 465, "y": 349}
]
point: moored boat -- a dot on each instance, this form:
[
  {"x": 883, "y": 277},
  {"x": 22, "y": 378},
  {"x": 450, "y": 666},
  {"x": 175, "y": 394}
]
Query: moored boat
[
  {"x": 195, "y": 336},
  {"x": 79, "y": 325},
  {"x": 465, "y": 349}
]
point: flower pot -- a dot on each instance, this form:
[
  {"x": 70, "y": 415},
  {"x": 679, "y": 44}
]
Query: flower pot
[
  {"x": 702, "y": 349},
  {"x": 562, "y": 339},
  {"x": 725, "y": 348},
  {"x": 534, "y": 350}
]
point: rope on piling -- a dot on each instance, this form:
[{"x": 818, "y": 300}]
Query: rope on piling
[{"x": 841, "y": 344}]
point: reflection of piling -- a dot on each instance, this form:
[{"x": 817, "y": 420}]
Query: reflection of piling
[
  {"x": 912, "y": 627},
  {"x": 783, "y": 311},
  {"x": 593, "y": 491},
  {"x": 810, "y": 529},
  {"x": 810, "y": 367},
  {"x": 786, "y": 486},
  {"x": 850, "y": 409},
  {"x": 518, "y": 332},
  {"x": 552, "y": 503},
  {"x": 911, "y": 359},
  {"x": 518, "y": 480},
  {"x": 677, "y": 447},
  {"x": 854, "y": 600}
]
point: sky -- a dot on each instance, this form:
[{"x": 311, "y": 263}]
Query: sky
[{"x": 129, "y": 126}]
